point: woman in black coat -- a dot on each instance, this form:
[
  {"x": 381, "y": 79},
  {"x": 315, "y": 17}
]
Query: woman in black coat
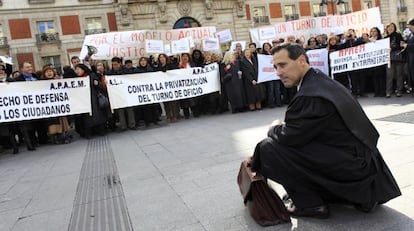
[
  {"x": 254, "y": 90},
  {"x": 233, "y": 82},
  {"x": 87, "y": 124},
  {"x": 148, "y": 112}
]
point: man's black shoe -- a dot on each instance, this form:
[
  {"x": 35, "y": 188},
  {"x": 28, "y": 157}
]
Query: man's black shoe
[
  {"x": 320, "y": 212},
  {"x": 366, "y": 207}
]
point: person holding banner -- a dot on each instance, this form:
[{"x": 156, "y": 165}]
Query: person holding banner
[
  {"x": 325, "y": 151},
  {"x": 357, "y": 77},
  {"x": 377, "y": 74},
  {"x": 273, "y": 88},
  {"x": 149, "y": 112},
  {"x": 186, "y": 104},
  {"x": 87, "y": 125},
  {"x": 124, "y": 114},
  {"x": 26, "y": 127},
  {"x": 57, "y": 127},
  {"x": 8, "y": 129},
  {"x": 171, "y": 107}
]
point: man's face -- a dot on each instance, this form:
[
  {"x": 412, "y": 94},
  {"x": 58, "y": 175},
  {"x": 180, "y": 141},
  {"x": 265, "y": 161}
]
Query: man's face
[
  {"x": 116, "y": 65},
  {"x": 75, "y": 61},
  {"x": 27, "y": 68},
  {"x": 128, "y": 65},
  {"x": 290, "y": 71}
]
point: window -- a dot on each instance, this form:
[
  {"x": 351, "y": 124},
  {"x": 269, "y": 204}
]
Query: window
[
  {"x": 55, "y": 61},
  {"x": 290, "y": 9},
  {"x": 94, "y": 25},
  {"x": 366, "y": 5},
  {"x": 290, "y": 12},
  {"x": 401, "y": 3},
  {"x": 3, "y": 39},
  {"x": 260, "y": 15},
  {"x": 401, "y": 7},
  {"x": 317, "y": 10},
  {"x": 46, "y": 27},
  {"x": 343, "y": 8}
]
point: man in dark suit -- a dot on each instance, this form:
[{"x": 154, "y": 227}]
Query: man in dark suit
[
  {"x": 325, "y": 150},
  {"x": 26, "y": 127}
]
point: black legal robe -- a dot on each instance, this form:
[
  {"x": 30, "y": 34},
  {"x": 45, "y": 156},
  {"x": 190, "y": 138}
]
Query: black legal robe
[{"x": 326, "y": 150}]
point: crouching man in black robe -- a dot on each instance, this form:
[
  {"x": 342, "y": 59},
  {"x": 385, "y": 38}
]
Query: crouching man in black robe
[{"x": 325, "y": 150}]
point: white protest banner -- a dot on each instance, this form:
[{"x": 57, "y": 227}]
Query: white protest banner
[
  {"x": 131, "y": 44},
  {"x": 211, "y": 44},
  {"x": 156, "y": 87},
  {"x": 267, "y": 33},
  {"x": 44, "y": 99},
  {"x": 180, "y": 46},
  {"x": 360, "y": 57},
  {"x": 318, "y": 59},
  {"x": 154, "y": 46},
  {"x": 224, "y": 36},
  {"x": 361, "y": 21},
  {"x": 6, "y": 59},
  {"x": 266, "y": 70}
]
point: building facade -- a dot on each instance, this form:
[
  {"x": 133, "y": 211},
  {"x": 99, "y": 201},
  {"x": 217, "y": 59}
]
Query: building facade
[{"x": 51, "y": 31}]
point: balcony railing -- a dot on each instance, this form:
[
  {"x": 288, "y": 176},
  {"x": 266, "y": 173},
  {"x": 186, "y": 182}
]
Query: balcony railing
[
  {"x": 320, "y": 14},
  {"x": 402, "y": 9},
  {"x": 47, "y": 38},
  {"x": 3, "y": 42},
  {"x": 261, "y": 20},
  {"x": 345, "y": 12},
  {"x": 290, "y": 17},
  {"x": 95, "y": 31}
]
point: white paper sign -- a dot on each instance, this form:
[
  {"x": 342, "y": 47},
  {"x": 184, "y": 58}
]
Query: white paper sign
[
  {"x": 318, "y": 59},
  {"x": 265, "y": 68},
  {"x": 180, "y": 46},
  {"x": 154, "y": 46},
  {"x": 224, "y": 36},
  {"x": 167, "y": 49},
  {"x": 267, "y": 33},
  {"x": 211, "y": 44}
]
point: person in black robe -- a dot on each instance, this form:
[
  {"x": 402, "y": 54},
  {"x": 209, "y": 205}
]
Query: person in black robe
[
  {"x": 409, "y": 50},
  {"x": 254, "y": 90},
  {"x": 325, "y": 151}
]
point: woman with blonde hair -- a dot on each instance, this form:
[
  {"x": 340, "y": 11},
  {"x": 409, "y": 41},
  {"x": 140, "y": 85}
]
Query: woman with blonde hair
[{"x": 233, "y": 82}]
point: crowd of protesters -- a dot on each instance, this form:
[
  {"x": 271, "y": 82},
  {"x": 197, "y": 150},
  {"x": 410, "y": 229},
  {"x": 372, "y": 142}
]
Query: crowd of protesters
[{"x": 240, "y": 90}]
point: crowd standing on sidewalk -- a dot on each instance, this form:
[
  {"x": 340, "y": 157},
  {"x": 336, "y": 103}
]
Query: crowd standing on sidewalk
[{"x": 240, "y": 90}]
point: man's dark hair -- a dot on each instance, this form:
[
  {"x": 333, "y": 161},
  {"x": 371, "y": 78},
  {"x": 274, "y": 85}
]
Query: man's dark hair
[
  {"x": 116, "y": 59},
  {"x": 74, "y": 57},
  {"x": 254, "y": 44},
  {"x": 294, "y": 50},
  {"x": 128, "y": 61}
]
